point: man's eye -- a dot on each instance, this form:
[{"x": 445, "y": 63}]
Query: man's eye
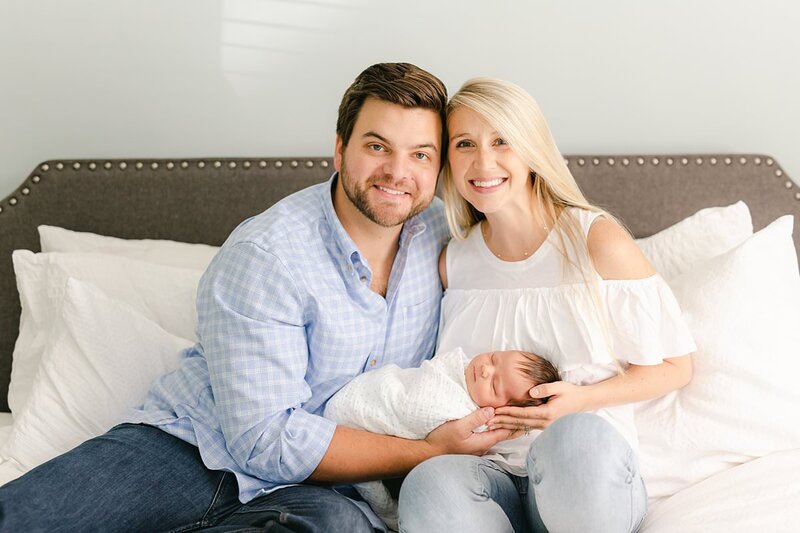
[
  {"x": 421, "y": 156},
  {"x": 375, "y": 147}
]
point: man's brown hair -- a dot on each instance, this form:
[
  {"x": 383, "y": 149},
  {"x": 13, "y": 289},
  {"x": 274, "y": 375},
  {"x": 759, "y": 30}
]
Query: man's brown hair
[{"x": 397, "y": 83}]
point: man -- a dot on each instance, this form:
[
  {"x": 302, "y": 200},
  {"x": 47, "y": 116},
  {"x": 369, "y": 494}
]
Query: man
[{"x": 337, "y": 279}]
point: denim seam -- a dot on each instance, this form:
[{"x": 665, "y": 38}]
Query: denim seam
[
  {"x": 474, "y": 467},
  {"x": 204, "y": 522},
  {"x": 644, "y": 515},
  {"x": 629, "y": 468},
  {"x": 631, "y": 459},
  {"x": 188, "y": 527}
]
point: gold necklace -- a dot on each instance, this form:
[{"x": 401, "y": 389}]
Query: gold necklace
[{"x": 525, "y": 255}]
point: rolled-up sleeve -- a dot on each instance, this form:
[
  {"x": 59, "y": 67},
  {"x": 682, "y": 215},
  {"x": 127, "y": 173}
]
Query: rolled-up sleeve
[{"x": 251, "y": 324}]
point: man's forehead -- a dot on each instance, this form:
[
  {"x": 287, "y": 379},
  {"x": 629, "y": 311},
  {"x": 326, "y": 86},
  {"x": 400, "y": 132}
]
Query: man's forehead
[{"x": 398, "y": 125}]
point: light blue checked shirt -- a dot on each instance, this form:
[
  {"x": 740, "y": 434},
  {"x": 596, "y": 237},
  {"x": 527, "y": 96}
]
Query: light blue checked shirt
[{"x": 285, "y": 319}]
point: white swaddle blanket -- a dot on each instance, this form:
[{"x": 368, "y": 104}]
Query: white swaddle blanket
[{"x": 405, "y": 402}]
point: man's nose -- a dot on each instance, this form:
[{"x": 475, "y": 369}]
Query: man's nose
[{"x": 396, "y": 166}]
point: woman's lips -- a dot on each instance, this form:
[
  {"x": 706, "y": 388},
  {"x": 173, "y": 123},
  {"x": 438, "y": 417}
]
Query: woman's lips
[{"x": 485, "y": 185}]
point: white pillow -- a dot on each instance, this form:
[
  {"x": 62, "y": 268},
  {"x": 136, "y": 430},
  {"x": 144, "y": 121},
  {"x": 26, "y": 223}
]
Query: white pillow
[
  {"x": 162, "y": 252},
  {"x": 101, "y": 360},
  {"x": 743, "y": 308},
  {"x": 695, "y": 239},
  {"x": 163, "y": 294}
]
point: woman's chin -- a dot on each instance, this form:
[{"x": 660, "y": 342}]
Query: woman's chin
[{"x": 486, "y": 208}]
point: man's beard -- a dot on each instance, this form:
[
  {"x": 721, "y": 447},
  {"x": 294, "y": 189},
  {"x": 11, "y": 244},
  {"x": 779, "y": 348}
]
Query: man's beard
[{"x": 359, "y": 198}]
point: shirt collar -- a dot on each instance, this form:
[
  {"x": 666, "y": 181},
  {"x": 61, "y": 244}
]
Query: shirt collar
[{"x": 413, "y": 227}]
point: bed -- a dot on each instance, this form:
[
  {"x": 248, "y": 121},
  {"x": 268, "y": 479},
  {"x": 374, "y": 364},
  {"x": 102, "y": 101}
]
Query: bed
[{"x": 723, "y": 454}]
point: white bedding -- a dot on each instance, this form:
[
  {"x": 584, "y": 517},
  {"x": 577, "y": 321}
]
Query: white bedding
[
  {"x": 6, "y": 419},
  {"x": 761, "y": 494},
  {"x": 8, "y": 470}
]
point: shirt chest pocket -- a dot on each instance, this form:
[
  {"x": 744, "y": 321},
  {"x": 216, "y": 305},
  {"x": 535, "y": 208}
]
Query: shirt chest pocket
[
  {"x": 341, "y": 341},
  {"x": 413, "y": 335}
]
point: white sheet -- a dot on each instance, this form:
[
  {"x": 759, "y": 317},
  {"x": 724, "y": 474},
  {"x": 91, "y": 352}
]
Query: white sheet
[{"x": 760, "y": 495}]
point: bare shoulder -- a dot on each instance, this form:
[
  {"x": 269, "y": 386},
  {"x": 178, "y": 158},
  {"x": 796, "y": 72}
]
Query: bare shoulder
[
  {"x": 443, "y": 266},
  {"x": 614, "y": 252}
]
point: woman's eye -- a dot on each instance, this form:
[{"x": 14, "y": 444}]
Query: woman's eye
[
  {"x": 421, "y": 156},
  {"x": 500, "y": 141},
  {"x": 463, "y": 144}
]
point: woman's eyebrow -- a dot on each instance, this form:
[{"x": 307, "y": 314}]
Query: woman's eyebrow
[{"x": 465, "y": 134}]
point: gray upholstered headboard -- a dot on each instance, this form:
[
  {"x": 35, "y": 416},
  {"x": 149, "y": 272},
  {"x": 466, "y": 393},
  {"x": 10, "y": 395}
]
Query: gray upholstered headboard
[{"x": 202, "y": 200}]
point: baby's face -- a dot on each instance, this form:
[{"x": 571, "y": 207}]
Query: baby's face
[{"x": 494, "y": 379}]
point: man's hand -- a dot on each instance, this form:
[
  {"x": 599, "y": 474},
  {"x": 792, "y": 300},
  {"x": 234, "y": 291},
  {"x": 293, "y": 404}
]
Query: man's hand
[{"x": 457, "y": 436}]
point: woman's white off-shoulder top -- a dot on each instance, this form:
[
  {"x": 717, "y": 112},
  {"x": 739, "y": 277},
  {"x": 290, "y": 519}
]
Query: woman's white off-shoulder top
[{"x": 537, "y": 306}]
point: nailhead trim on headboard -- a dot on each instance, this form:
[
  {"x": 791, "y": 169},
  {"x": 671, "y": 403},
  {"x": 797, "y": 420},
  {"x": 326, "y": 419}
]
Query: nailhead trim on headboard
[{"x": 581, "y": 161}]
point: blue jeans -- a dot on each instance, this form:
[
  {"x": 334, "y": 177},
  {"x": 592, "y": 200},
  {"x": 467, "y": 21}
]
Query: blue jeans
[
  {"x": 582, "y": 476},
  {"x": 138, "y": 478}
]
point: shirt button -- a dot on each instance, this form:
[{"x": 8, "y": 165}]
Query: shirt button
[
  {"x": 373, "y": 362},
  {"x": 363, "y": 279}
]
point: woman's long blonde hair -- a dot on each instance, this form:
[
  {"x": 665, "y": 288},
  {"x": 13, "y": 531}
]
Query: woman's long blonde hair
[{"x": 516, "y": 116}]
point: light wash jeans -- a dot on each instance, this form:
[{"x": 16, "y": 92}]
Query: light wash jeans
[
  {"x": 138, "y": 478},
  {"x": 582, "y": 477}
]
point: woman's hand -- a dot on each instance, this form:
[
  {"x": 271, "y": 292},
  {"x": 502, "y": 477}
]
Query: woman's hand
[{"x": 565, "y": 398}]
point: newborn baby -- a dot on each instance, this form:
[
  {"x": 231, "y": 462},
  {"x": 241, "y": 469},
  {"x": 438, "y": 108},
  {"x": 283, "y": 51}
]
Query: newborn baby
[{"x": 411, "y": 402}]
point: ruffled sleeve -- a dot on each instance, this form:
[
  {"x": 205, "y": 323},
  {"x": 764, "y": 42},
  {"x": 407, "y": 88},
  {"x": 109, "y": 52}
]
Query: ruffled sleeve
[
  {"x": 646, "y": 322},
  {"x": 630, "y": 321}
]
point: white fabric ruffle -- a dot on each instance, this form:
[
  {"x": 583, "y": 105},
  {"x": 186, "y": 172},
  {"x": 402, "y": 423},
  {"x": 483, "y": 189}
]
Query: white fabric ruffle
[{"x": 563, "y": 323}]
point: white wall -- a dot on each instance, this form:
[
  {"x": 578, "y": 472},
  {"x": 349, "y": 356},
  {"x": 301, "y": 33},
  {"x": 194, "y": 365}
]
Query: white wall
[{"x": 182, "y": 78}]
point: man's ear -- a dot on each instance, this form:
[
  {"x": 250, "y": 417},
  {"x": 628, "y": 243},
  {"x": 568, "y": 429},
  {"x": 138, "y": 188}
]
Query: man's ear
[{"x": 337, "y": 154}]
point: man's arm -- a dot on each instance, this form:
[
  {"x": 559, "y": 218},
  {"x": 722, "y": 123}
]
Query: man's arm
[
  {"x": 251, "y": 325},
  {"x": 355, "y": 455}
]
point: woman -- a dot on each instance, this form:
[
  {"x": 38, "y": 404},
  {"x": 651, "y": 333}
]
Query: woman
[{"x": 534, "y": 266}]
